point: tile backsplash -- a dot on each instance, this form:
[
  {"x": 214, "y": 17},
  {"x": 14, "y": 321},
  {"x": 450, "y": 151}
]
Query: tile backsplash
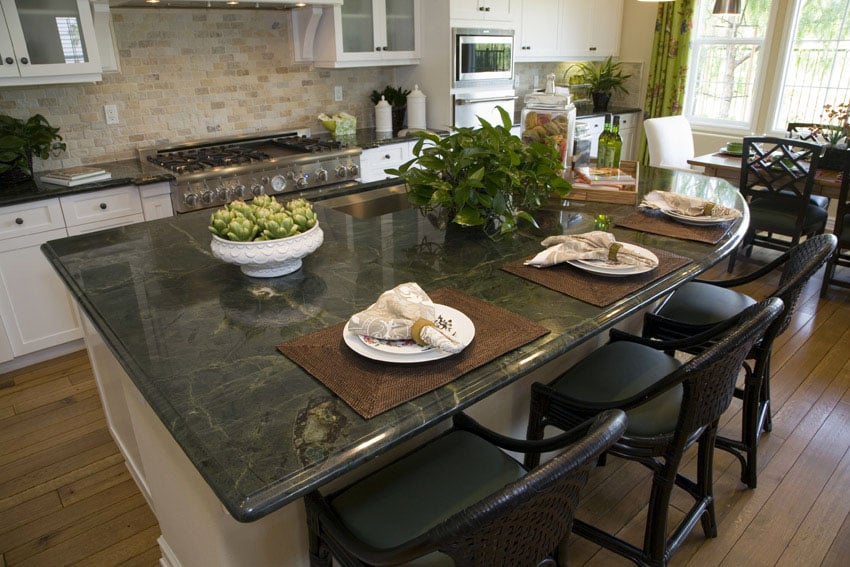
[{"x": 189, "y": 74}]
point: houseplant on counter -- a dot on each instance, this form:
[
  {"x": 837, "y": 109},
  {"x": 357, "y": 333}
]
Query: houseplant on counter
[
  {"x": 21, "y": 140},
  {"x": 484, "y": 177},
  {"x": 603, "y": 78},
  {"x": 265, "y": 238},
  {"x": 397, "y": 97}
]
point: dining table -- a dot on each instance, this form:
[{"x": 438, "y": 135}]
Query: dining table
[
  {"x": 727, "y": 166},
  {"x": 231, "y": 397}
]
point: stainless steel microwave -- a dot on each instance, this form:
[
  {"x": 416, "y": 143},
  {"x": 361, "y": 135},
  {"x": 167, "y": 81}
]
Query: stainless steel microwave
[{"x": 483, "y": 57}]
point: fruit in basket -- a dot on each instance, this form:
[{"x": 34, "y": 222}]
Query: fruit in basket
[{"x": 263, "y": 219}]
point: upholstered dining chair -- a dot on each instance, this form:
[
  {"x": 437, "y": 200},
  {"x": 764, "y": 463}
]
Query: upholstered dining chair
[
  {"x": 670, "y": 142},
  {"x": 841, "y": 256},
  {"x": 700, "y": 303},
  {"x": 670, "y": 406},
  {"x": 777, "y": 176},
  {"x": 461, "y": 500}
]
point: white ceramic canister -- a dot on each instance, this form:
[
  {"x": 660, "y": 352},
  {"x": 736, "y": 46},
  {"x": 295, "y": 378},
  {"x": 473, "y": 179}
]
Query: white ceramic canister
[
  {"x": 416, "y": 109},
  {"x": 383, "y": 116}
]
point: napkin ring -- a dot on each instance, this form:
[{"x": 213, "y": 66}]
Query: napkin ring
[
  {"x": 708, "y": 209},
  {"x": 612, "y": 251},
  {"x": 416, "y": 330}
]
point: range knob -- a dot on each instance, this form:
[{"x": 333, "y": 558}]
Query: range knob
[
  {"x": 225, "y": 193},
  {"x": 354, "y": 170},
  {"x": 341, "y": 171},
  {"x": 291, "y": 175},
  {"x": 302, "y": 181},
  {"x": 242, "y": 191},
  {"x": 208, "y": 196},
  {"x": 191, "y": 199},
  {"x": 321, "y": 174},
  {"x": 257, "y": 189}
]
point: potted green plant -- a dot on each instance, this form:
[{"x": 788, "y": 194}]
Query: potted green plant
[
  {"x": 603, "y": 78},
  {"x": 484, "y": 177},
  {"x": 397, "y": 98},
  {"x": 20, "y": 140}
]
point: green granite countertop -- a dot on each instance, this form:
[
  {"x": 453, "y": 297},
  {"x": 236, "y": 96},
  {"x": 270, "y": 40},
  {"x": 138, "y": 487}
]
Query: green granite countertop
[{"x": 198, "y": 338}]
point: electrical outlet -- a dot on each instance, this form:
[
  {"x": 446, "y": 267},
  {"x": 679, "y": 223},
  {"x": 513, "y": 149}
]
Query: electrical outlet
[
  {"x": 337, "y": 94},
  {"x": 111, "y": 112}
]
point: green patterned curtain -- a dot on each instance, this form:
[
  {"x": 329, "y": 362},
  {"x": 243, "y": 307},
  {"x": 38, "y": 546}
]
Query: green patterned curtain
[{"x": 668, "y": 69}]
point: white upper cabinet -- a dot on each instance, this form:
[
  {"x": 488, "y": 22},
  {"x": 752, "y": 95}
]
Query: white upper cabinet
[
  {"x": 359, "y": 33},
  {"x": 590, "y": 29},
  {"x": 540, "y": 25},
  {"x": 484, "y": 10},
  {"x": 47, "y": 41}
]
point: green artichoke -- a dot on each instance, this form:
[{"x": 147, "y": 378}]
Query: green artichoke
[{"x": 264, "y": 218}]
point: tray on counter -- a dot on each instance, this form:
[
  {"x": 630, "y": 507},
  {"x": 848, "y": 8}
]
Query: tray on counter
[{"x": 623, "y": 194}]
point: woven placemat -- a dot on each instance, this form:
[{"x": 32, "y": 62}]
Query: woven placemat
[
  {"x": 591, "y": 288},
  {"x": 655, "y": 223},
  {"x": 372, "y": 387}
]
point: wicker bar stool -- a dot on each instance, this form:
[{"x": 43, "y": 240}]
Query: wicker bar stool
[
  {"x": 670, "y": 407},
  {"x": 699, "y": 304},
  {"x": 460, "y": 500}
]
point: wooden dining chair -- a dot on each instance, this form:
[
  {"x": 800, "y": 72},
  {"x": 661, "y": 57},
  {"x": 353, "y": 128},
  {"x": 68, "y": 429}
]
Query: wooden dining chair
[
  {"x": 670, "y": 405},
  {"x": 841, "y": 256},
  {"x": 699, "y": 304},
  {"x": 807, "y": 131},
  {"x": 461, "y": 500},
  {"x": 777, "y": 176}
]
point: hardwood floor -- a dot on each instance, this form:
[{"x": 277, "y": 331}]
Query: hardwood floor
[{"x": 67, "y": 499}]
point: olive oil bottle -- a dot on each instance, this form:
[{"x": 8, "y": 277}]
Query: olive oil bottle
[
  {"x": 615, "y": 144},
  {"x": 602, "y": 146}
]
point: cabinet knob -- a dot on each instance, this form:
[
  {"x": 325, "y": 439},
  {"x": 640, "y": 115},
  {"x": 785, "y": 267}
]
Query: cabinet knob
[
  {"x": 378, "y": 48},
  {"x": 387, "y": 156},
  {"x": 24, "y": 60},
  {"x": 103, "y": 206},
  {"x": 592, "y": 49},
  {"x": 385, "y": 48},
  {"x": 480, "y": 8},
  {"x": 9, "y": 61},
  {"x": 19, "y": 220}
]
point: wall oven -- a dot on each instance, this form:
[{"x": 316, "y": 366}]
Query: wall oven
[{"x": 483, "y": 57}]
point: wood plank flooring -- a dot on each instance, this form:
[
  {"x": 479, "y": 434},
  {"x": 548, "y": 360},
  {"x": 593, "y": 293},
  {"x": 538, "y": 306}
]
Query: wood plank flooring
[{"x": 67, "y": 499}]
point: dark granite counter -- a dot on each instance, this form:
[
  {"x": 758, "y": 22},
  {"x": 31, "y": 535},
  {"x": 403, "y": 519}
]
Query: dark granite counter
[{"x": 198, "y": 338}]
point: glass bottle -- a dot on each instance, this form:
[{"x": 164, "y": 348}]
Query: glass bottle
[
  {"x": 602, "y": 146},
  {"x": 615, "y": 144}
]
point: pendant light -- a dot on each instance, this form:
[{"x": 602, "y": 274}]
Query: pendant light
[{"x": 727, "y": 7}]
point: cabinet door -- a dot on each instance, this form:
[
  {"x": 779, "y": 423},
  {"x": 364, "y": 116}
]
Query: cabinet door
[
  {"x": 574, "y": 39},
  {"x": 606, "y": 19},
  {"x": 36, "y": 309},
  {"x": 52, "y": 37},
  {"x": 400, "y": 26},
  {"x": 357, "y": 19},
  {"x": 539, "y": 29},
  {"x": 8, "y": 67},
  {"x": 595, "y": 125},
  {"x": 466, "y": 10},
  {"x": 502, "y": 10}
]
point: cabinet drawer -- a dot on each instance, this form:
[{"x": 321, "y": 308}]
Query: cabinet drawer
[
  {"x": 101, "y": 205},
  {"x": 384, "y": 156},
  {"x": 628, "y": 120},
  {"x": 30, "y": 218}
]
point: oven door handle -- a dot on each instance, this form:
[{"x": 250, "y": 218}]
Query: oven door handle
[{"x": 462, "y": 101}]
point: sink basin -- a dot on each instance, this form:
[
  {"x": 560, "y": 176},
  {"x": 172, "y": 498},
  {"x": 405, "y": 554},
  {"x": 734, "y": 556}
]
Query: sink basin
[{"x": 372, "y": 203}]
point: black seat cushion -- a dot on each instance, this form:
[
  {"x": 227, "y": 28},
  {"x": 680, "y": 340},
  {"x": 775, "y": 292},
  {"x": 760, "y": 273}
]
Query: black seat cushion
[
  {"x": 780, "y": 215},
  {"x": 618, "y": 370},
  {"x": 818, "y": 200},
  {"x": 699, "y": 303},
  {"x": 415, "y": 493},
  {"x": 844, "y": 237}
]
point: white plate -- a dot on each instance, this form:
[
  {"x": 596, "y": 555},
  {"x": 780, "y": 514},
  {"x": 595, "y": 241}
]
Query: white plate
[
  {"x": 462, "y": 326},
  {"x": 615, "y": 269},
  {"x": 698, "y": 221}
]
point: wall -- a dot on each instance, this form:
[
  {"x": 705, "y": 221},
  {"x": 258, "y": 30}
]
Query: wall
[{"x": 189, "y": 74}]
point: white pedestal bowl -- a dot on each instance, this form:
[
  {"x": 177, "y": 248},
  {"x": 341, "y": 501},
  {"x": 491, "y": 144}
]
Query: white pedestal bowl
[{"x": 268, "y": 258}]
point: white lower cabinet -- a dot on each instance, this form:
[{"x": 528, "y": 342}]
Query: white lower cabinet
[
  {"x": 36, "y": 310},
  {"x": 374, "y": 161},
  {"x": 156, "y": 201}
]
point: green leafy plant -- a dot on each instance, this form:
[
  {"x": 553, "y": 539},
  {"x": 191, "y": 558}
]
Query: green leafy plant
[
  {"x": 603, "y": 76},
  {"x": 20, "y": 140},
  {"x": 397, "y": 97},
  {"x": 483, "y": 176}
]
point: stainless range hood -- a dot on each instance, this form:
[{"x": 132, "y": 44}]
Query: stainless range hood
[{"x": 223, "y": 4}]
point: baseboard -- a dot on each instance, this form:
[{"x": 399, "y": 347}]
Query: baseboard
[{"x": 42, "y": 355}]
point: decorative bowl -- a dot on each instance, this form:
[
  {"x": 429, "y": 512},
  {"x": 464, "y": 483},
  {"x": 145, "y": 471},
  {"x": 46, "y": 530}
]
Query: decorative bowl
[{"x": 268, "y": 258}]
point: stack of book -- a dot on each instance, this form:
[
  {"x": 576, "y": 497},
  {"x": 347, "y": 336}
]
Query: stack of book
[{"x": 72, "y": 176}]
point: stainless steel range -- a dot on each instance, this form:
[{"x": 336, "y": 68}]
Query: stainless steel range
[{"x": 214, "y": 172}]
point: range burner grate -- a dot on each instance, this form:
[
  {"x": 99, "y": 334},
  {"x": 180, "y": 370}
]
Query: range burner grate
[
  {"x": 305, "y": 144},
  {"x": 187, "y": 161}
]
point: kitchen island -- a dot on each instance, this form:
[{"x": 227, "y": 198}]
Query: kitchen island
[{"x": 224, "y": 434}]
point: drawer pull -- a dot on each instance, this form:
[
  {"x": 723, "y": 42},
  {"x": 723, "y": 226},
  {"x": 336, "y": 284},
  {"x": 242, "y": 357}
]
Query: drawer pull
[
  {"x": 9, "y": 61},
  {"x": 387, "y": 156},
  {"x": 103, "y": 206},
  {"x": 19, "y": 220}
]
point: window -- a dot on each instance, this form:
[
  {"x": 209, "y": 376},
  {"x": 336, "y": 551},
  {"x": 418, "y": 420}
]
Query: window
[
  {"x": 775, "y": 63},
  {"x": 725, "y": 60},
  {"x": 817, "y": 68}
]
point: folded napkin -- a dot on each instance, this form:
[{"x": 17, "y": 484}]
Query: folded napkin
[
  {"x": 690, "y": 206},
  {"x": 596, "y": 245},
  {"x": 403, "y": 313}
]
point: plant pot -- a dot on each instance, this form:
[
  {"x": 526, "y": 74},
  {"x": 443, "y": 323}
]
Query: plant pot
[
  {"x": 833, "y": 158},
  {"x": 16, "y": 174},
  {"x": 600, "y": 101},
  {"x": 398, "y": 113}
]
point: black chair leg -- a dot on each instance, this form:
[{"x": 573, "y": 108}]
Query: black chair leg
[
  {"x": 536, "y": 426},
  {"x": 705, "y": 481},
  {"x": 655, "y": 536}
]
